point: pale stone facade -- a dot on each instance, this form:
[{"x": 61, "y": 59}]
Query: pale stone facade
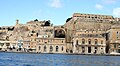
[
  {"x": 114, "y": 38},
  {"x": 89, "y": 42},
  {"x": 82, "y": 34},
  {"x": 51, "y": 45}
]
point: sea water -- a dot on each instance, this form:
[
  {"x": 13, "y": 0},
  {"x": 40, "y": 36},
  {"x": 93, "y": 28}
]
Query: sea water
[{"x": 27, "y": 59}]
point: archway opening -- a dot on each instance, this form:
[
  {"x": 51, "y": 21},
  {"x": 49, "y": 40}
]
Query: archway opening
[{"x": 59, "y": 33}]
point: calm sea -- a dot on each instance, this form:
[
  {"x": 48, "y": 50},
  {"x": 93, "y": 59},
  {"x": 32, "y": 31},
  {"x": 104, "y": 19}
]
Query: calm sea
[{"x": 24, "y": 59}]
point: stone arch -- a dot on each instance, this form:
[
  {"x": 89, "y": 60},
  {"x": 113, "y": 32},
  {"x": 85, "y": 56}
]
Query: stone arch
[
  {"x": 59, "y": 33},
  {"x": 57, "y": 48},
  {"x": 51, "y": 48},
  {"x": 83, "y": 41},
  {"x": 39, "y": 47},
  {"x": 96, "y": 41},
  {"x": 89, "y": 41},
  {"x": 45, "y": 48}
]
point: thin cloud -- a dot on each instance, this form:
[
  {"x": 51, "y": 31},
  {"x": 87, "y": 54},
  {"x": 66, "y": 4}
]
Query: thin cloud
[
  {"x": 109, "y": 1},
  {"x": 98, "y": 6},
  {"x": 116, "y": 12},
  {"x": 56, "y": 4}
]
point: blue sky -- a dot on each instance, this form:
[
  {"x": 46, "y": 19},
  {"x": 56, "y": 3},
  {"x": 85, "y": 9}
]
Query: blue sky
[{"x": 55, "y": 10}]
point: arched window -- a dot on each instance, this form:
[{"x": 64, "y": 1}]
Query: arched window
[
  {"x": 56, "y": 48},
  {"x": 39, "y": 47},
  {"x": 89, "y": 41},
  {"x": 83, "y": 41},
  {"x": 76, "y": 42},
  {"x": 96, "y": 41},
  {"x": 51, "y": 48},
  {"x": 45, "y": 48},
  {"x": 62, "y": 48},
  {"x": 101, "y": 41},
  {"x": 83, "y": 49}
]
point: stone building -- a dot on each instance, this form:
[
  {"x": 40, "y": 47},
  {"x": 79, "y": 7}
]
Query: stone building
[
  {"x": 51, "y": 45},
  {"x": 82, "y": 23},
  {"x": 13, "y": 46},
  {"x": 51, "y": 39},
  {"x": 88, "y": 22},
  {"x": 89, "y": 42},
  {"x": 114, "y": 39}
]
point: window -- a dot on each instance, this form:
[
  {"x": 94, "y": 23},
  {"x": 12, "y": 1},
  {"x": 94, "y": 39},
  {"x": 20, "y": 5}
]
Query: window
[
  {"x": 96, "y": 17},
  {"x": 119, "y": 46},
  {"x": 7, "y": 44},
  {"x": 89, "y": 49},
  {"x": 96, "y": 41},
  {"x": 118, "y": 50},
  {"x": 45, "y": 48},
  {"x": 89, "y": 17},
  {"x": 56, "y": 48},
  {"x": 89, "y": 41},
  {"x": 76, "y": 42},
  {"x": 1, "y": 44},
  {"x": 31, "y": 34},
  {"x": 83, "y": 49},
  {"x": 117, "y": 32},
  {"x": 91, "y": 34},
  {"x": 83, "y": 41},
  {"x": 95, "y": 47},
  {"x": 114, "y": 45},
  {"x": 96, "y": 35},
  {"x": 62, "y": 48},
  {"x": 101, "y": 41},
  {"x": 34, "y": 39},
  {"x": 51, "y": 48},
  {"x": 39, "y": 47},
  {"x": 117, "y": 37},
  {"x": 62, "y": 41}
]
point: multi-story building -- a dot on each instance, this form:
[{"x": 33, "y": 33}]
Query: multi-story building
[
  {"x": 114, "y": 39},
  {"x": 89, "y": 42},
  {"x": 51, "y": 45}
]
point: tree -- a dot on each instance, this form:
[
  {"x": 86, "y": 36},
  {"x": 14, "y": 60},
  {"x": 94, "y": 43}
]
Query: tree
[
  {"x": 68, "y": 19},
  {"x": 47, "y": 23},
  {"x": 10, "y": 29},
  {"x": 35, "y": 20}
]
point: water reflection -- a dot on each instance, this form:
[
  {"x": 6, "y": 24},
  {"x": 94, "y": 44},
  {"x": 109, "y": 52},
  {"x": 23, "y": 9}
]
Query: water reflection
[{"x": 21, "y": 59}]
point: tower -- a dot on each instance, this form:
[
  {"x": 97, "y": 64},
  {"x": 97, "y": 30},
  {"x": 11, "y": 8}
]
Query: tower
[{"x": 17, "y": 22}]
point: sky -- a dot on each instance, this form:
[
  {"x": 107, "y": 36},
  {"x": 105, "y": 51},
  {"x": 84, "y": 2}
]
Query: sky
[{"x": 57, "y": 11}]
